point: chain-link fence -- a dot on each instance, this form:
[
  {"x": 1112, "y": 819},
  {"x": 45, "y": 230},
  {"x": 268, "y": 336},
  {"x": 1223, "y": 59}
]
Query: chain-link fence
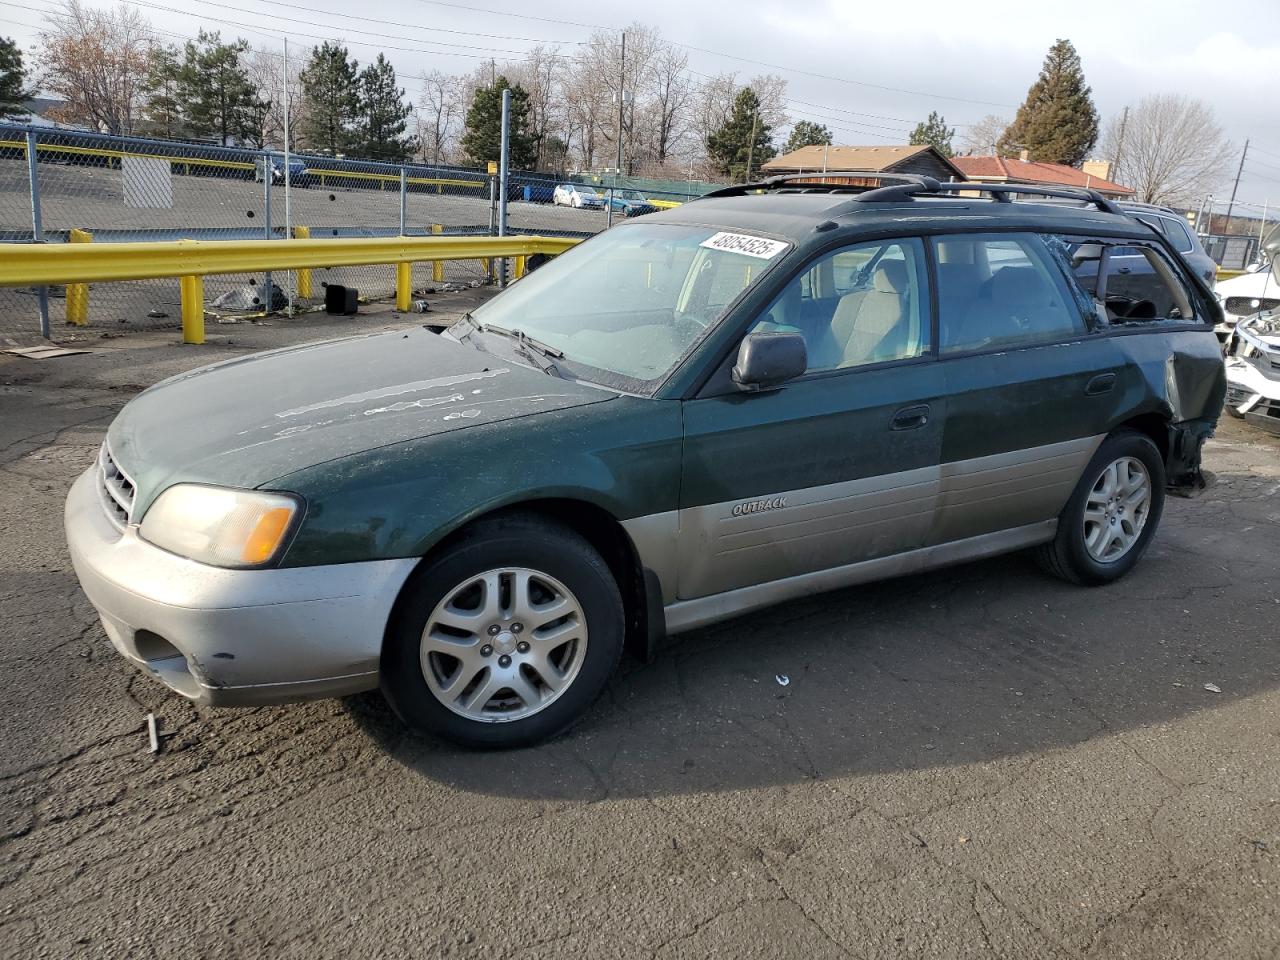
[{"x": 85, "y": 187}]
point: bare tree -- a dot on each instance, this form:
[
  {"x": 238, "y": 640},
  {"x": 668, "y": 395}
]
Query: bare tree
[
  {"x": 266, "y": 71},
  {"x": 980, "y": 138},
  {"x": 1173, "y": 150},
  {"x": 661, "y": 111},
  {"x": 772, "y": 91},
  {"x": 440, "y": 114},
  {"x": 96, "y": 60}
]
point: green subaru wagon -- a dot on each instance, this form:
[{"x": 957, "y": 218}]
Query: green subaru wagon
[{"x": 777, "y": 390}]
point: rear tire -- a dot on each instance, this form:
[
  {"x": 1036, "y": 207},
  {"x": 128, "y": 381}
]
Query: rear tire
[
  {"x": 1112, "y": 515},
  {"x": 517, "y": 598}
]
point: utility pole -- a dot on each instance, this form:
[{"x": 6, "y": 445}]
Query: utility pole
[
  {"x": 493, "y": 71},
  {"x": 1236, "y": 186},
  {"x": 1115, "y": 161},
  {"x": 288, "y": 177},
  {"x": 622, "y": 101},
  {"x": 751, "y": 146},
  {"x": 502, "y": 180}
]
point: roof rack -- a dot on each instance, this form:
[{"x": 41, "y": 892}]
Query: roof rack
[
  {"x": 999, "y": 192},
  {"x": 789, "y": 182}
]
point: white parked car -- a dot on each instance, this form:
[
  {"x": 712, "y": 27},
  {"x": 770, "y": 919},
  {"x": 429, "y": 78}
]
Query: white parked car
[{"x": 576, "y": 195}]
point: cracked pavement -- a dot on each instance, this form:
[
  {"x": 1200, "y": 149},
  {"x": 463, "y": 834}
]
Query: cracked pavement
[{"x": 975, "y": 762}]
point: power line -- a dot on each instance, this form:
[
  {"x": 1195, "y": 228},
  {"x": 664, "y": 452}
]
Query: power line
[
  {"x": 389, "y": 23},
  {"x": 519, "y": 16}
]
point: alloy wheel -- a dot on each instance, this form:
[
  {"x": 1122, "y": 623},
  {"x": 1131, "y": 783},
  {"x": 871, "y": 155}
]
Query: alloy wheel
[
  {"x": 504, "y": 644},
  {"x": 1117, "y": 509}
]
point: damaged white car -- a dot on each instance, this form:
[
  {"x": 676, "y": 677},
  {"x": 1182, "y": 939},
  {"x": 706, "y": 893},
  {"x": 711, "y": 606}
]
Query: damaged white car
[{"x": 1252, "y": 354}]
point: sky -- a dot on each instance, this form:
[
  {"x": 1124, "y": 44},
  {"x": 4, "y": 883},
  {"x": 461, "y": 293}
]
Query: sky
[{"x": 868, "y": 71}]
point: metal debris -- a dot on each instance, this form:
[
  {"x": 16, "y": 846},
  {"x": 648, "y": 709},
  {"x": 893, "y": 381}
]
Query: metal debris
[
  {"x": 153, "y": 733},
  {"x": 1213, "y": 688}
]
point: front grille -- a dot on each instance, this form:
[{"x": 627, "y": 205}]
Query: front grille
[
  {"x": 115, "y": 490},
  {"x": 1243, "y": 306}
]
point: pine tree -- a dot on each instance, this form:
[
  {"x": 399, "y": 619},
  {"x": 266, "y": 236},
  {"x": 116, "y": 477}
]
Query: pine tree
[
  {"x": 482, "y": 141},
  {"x": 13, "y": 76},
  {"x": 163, "y": 109},
  {"x": 744, "y": 141},
  {"x": 384, "y": 115},
  {"x": 220, "y": 99},
  {"x": 1058, "y": 122},
  {"x": 806, "y": 133},
  {"x": 934, "y": 132},
  {"x": 331, "y": 98}
]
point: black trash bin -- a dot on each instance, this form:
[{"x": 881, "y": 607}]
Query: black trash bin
[{"x": 341, "y": 301}]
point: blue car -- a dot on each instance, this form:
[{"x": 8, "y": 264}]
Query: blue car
[
  {"x": 630, "y": 203},
  {"x": 275, "y": 162}
]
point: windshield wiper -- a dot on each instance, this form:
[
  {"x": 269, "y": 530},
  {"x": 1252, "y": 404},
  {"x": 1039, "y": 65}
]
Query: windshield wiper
[{"x": 542, "y": 355}]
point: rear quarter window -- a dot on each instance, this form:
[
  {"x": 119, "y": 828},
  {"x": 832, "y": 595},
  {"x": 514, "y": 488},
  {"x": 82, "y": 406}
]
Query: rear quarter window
[{"x": 1129, "y": 283}]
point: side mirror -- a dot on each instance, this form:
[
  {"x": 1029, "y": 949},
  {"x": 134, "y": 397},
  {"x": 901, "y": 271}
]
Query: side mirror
[{"x": 768, "y": 359}]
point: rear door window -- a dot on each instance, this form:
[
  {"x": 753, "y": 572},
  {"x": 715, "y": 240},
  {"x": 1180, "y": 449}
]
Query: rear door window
[{"x": 1000, "y": 290}]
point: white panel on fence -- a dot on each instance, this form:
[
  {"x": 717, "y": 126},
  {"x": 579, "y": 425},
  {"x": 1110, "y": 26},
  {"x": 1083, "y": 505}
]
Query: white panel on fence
[{"x": 148, "y": 182}]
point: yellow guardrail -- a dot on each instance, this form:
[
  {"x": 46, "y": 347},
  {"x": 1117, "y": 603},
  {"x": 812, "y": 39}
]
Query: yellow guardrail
[
  {"x": 663, "y": 204},
  {"x": 80, "y": 263},
  {"x": 438, "y": 182}
]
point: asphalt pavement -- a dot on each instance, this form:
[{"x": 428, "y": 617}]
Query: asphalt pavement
[{"x": 974, "y": 762}]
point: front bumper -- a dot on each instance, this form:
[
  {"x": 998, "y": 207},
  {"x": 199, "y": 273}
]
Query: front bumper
[{"x": 232, "y": 637}]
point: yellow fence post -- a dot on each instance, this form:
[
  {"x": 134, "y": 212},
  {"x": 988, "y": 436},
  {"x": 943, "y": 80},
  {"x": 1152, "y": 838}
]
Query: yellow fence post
[
  {"x": 304, "y": 276},
  {"x": 404, "y": 285},
  {"x": 437, "y": 266},
  {"x": 78, "y": 293},
  {"x": 520, "y": 264},
  {"x": 192, "y": 288}
]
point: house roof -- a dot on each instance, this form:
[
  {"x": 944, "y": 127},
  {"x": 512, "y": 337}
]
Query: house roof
[
  {"x": 872, "y": 159},
  {"x": 1011, "y": 169}
]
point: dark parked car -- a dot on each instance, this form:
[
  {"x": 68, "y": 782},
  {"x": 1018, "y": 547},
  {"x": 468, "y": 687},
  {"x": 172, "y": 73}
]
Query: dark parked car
[{"x": 770, "y": 392}]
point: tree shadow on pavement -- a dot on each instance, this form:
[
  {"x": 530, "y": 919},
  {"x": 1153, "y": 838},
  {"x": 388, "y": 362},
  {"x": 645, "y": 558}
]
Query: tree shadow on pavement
[{"x": 981, "y": 663}]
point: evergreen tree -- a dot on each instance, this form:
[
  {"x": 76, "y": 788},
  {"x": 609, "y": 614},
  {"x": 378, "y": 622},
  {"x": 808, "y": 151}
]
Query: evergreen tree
[
  {"x": 220, "y": 100},
  {"x": 330, "y": 93},
  {"x": 384, "y": 115},
  {"x": 13, "y": 77},
  {"x": 934, "y": 132},
  {"x": 744, "y": 141},
  {"x": 1058, "y": 122},
  {"x": 806, "y": 133},
  {"x": 482, "y": 141},
  {"x": 163, "y": 109}
]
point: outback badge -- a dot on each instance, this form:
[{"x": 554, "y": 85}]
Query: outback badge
[{"x": 758, "y": 506}]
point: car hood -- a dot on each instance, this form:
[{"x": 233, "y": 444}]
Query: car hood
[
  {"x": 1247, "y": 285},
  {"x": 248, "y": 421}
]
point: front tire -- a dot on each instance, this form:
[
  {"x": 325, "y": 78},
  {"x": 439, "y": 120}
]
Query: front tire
[
  {"x": 1112, "y": 515},
  {"x": 506, "y": 637}
]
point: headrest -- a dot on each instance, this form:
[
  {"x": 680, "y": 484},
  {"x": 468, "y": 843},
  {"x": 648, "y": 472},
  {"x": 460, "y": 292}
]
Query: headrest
[
  {"x": 1017, "y": 283},
  {"x": 890, "y": 276}
]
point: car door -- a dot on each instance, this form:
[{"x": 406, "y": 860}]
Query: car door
[
  {"x": 1030, "y": 388},
  {"x": 837, "y": 466}
]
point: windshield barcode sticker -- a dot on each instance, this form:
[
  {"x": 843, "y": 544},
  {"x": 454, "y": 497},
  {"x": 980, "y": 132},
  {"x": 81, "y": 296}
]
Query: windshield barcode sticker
[{"x": 758, "y": 247}]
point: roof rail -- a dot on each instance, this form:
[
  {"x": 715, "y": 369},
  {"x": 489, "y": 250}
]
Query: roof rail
[
  {"x": 789, "y": 181},
  {"x": 998, "y": 191}
]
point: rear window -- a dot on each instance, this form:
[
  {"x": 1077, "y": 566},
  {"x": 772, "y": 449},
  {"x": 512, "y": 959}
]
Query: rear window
[{"x": 1000, "y": 290}]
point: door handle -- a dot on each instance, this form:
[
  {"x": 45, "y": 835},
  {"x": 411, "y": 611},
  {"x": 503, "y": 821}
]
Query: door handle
[
  {"x": 1100, "y": 384},
  {"x": 910, "y": 418}
]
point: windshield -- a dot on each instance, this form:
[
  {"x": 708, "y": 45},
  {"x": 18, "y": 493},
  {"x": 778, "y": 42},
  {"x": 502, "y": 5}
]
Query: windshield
[{"x": 625, "y": 306}]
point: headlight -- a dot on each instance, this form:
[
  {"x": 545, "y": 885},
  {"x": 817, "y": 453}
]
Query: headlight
[{"x": 220, "y": 526}]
